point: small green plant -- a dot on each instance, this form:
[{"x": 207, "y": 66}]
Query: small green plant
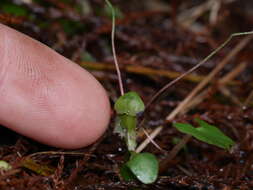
[
  {"x": 127, "y": 107},
  {"x": 207, "y": 133},
  {"x": 143, "y": 166}
]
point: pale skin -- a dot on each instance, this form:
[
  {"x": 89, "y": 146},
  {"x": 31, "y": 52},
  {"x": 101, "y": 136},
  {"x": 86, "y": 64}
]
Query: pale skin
[{"x": 46, "y": 97}]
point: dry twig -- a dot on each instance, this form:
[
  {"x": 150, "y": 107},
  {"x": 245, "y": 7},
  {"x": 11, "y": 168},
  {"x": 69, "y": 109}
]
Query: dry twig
[
  {"x": 221, "y": 85},
  {"x": 196, "y": 90}
]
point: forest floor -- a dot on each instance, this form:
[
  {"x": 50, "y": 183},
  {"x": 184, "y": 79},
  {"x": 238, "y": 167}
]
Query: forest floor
[{"x": 156, "y": 41}]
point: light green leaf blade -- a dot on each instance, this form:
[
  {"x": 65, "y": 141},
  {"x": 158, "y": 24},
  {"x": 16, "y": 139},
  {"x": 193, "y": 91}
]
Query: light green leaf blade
[
  {"x": 4, "y": 165},
  {"x": 144, "y": 166},
  {"x": 206, "y": 133},
  {"x": 130, "y": 104},
  {"x": 215, "y": 132}
]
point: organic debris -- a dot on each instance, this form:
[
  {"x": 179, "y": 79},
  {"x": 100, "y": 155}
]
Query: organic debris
[{"x": 155, "y": 41}]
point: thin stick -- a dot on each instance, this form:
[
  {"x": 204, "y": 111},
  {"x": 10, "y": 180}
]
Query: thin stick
[
  {"x": 113, "y": 49},
  {"x": 152, "y": 141},
  {"x": 226, "y": 92},
  {"x": 232, "y": 74},
  {"x": 221, "y": 85},
  {"x": 202, "y": 84},
  {"x": 188, "y": 17},
  {"x": 196, "y": 66},
  {"x": 248, "y": 99},
  {"x": 210, "y": 76},
  {"x": 147, "y": 140},
  {"x": 148, "y": 71},
  {"x": 174, "y": 152},
  {"x": 57, "y": 153}
]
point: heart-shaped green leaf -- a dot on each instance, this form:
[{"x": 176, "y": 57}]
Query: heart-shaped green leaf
[
  {"x": 144, "y": 166},
  {"x": 206, "y": 133},
  {"x": 130, "y": 104}
]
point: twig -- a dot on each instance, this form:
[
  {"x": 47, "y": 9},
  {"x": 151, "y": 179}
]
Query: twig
[
  {"x": 195, "y": 101},
  {"x": 146, "y": 71},
  {"x": 113, "y": 49},
  {"x": 221, "y": 83},
  {"x": 232, "y": 74},
  {"x": 215, "y": 7},
  {"x": 225, "y": 91},
  {"x": 150, "y": 72},
  {"x": 209, "y": 77},
  {"x": 188, "y": 17},
  {"x": 184, "y": 170},
  {"x": 248, "y": 99},
  {"x": 196, "y": 66},
  {"x": 202, "y": 84},
  {"x": 57, "y": 153},
  {"x": 152, "y": 141},
  {"x": 174, "y": 152}
]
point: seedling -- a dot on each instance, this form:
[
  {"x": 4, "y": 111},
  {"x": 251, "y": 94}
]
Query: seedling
[
  {"x": 143, "y": 166},
  {"x": 207, "y": 133},
  {"x": 127, "y": 107}
]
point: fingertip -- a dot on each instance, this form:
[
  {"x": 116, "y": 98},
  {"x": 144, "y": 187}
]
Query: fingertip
[{"x": 49, "y": 98}]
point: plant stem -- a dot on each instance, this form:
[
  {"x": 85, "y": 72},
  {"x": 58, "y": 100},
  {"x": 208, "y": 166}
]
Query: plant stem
[{"x": 113, "y": 49}]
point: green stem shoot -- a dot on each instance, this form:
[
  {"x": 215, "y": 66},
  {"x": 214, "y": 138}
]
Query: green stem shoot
[{"x": 113, "y": 49}]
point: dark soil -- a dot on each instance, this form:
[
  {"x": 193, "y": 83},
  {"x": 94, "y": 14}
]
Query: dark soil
[{"x": 149, "y": 35}]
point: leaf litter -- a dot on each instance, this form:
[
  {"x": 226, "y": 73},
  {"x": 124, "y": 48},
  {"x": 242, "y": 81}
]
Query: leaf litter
[{"x": 145, "y": 38}]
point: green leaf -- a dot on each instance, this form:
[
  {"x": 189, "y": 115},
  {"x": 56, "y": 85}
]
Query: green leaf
[
  {"x": 14, "y": 10},
  {"x": 4, "y": 165},
  {"x": 130, "y": 104},
  {"x": 144, "y": 166},
  {"x": 206, "y": 133}
]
